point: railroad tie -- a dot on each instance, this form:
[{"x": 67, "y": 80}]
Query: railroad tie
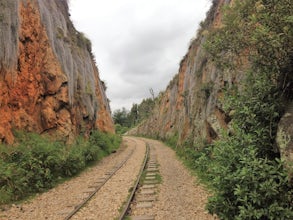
[
  {"x": 143, "y": 217},
  {"x": 145, "y": 196}
]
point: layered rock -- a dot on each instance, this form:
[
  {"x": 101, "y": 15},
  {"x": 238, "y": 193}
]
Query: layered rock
[
  {"x": 190, "y": 107},
  {"x": 48, "y": 78}
]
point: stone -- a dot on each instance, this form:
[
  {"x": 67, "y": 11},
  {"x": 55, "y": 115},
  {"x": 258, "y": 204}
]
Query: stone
[{"x": 285, "y": 138}]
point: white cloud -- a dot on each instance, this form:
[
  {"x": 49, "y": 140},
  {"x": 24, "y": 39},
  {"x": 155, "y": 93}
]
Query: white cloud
[{"x": 138, "y": 44}]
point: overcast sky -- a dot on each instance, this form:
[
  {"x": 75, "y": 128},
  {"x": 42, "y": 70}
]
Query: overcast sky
[{"x": 138, "y": 44}]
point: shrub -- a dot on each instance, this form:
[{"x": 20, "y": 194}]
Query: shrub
[
  {"x": 13, "y": 182},
  {"x": 245, "y": 185},
  {"x": 119, "y": 129},
  {"x": 36, "y": 163},
  {"x": 100, "y": 139},
  {"x": 172, "y": 141}
]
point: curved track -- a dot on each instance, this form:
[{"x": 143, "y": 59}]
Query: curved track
[
  {"x": 109, "y": 175},
  {"x": 143, "y": 195},
  {"x": 135, "y": 187}
]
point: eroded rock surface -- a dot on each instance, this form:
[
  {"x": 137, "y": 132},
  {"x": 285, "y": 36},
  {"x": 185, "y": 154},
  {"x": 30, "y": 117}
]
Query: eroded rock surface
[
  {"x": 190, "y": 108},
  {"x": 48, "y": 79}
]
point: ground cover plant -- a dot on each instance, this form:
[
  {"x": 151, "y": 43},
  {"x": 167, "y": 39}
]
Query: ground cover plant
[{"x": 37, "y": 163}]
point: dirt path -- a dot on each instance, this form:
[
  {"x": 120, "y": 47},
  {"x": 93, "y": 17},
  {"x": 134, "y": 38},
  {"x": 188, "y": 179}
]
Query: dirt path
[{"x": 180, "y": 196}]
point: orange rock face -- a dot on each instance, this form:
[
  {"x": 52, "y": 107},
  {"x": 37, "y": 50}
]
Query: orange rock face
[
  {"x": 188, "y": 109},
  {"x": 34, "y": 95}
]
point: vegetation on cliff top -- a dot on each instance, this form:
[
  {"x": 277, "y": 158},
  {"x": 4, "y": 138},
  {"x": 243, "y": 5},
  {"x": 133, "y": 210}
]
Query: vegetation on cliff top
[{"x": 36, "y": 163}]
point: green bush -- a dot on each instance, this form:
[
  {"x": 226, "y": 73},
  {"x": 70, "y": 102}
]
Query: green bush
[
  {"x": 102, "y": 140},
  {"x": 36, "y": 163},
  {"x": 119, "y": 129},
  {"x": 13, "y": 181},
  {"x": 172, "y": 141},
  {"x": 74, "y": 162},
  {"x": 245, "y": 186}
]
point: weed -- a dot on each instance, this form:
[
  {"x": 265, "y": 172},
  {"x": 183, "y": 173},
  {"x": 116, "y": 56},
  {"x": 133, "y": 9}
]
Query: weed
[{"x": 158, "y": 178}]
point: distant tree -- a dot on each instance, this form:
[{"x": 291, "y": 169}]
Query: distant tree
[
  {"x": 145, "y": 108},
  {"x": 133, "y": 115},
  {"x": 121, "y": 117},
  {"x": 137, "y": 113}
]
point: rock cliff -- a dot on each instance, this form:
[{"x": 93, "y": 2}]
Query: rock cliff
[
  {"x": 189, "y": 107},
  {"x": 49, "y": 82},
  {"x": 229, "y": 112}
]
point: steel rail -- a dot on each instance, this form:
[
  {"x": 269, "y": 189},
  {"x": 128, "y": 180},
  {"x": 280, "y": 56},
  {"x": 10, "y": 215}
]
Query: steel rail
[
  {"x": 78, "y": 207},
  {"x": 135, "y": 187}
]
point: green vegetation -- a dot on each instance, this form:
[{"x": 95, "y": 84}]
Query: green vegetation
[
  {"x": 243, "y": 168},
  {"x": 121, "y": 119},
  {"x": 120, "y": 129},
  {"x": 259, "y": 32},
  {"x": 158, "y": 178},
  {"x": 172, "y": 141},
  {"x": 36, "y": 163},
  {"x": 125, "y": 120},
  {"x": 83, "y": 42},
  {"x": 89, "y": 89}
]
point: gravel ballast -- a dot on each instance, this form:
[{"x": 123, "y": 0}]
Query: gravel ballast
[
  {"x": 114, "y": 193},
  {"x": 180, "y": 196},
  {"x": 59, "y": 201}
]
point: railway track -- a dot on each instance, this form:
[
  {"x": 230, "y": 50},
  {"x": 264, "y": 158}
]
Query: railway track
[
  {"x": 107, "y": 178},
  {"x": 143, "y": 194},
  {"x": 102, "y": 197},
  {"x": 101, "y": 182}
]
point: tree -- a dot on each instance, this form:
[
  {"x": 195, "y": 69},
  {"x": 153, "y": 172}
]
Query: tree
[{"x": 121, "y": 117}]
